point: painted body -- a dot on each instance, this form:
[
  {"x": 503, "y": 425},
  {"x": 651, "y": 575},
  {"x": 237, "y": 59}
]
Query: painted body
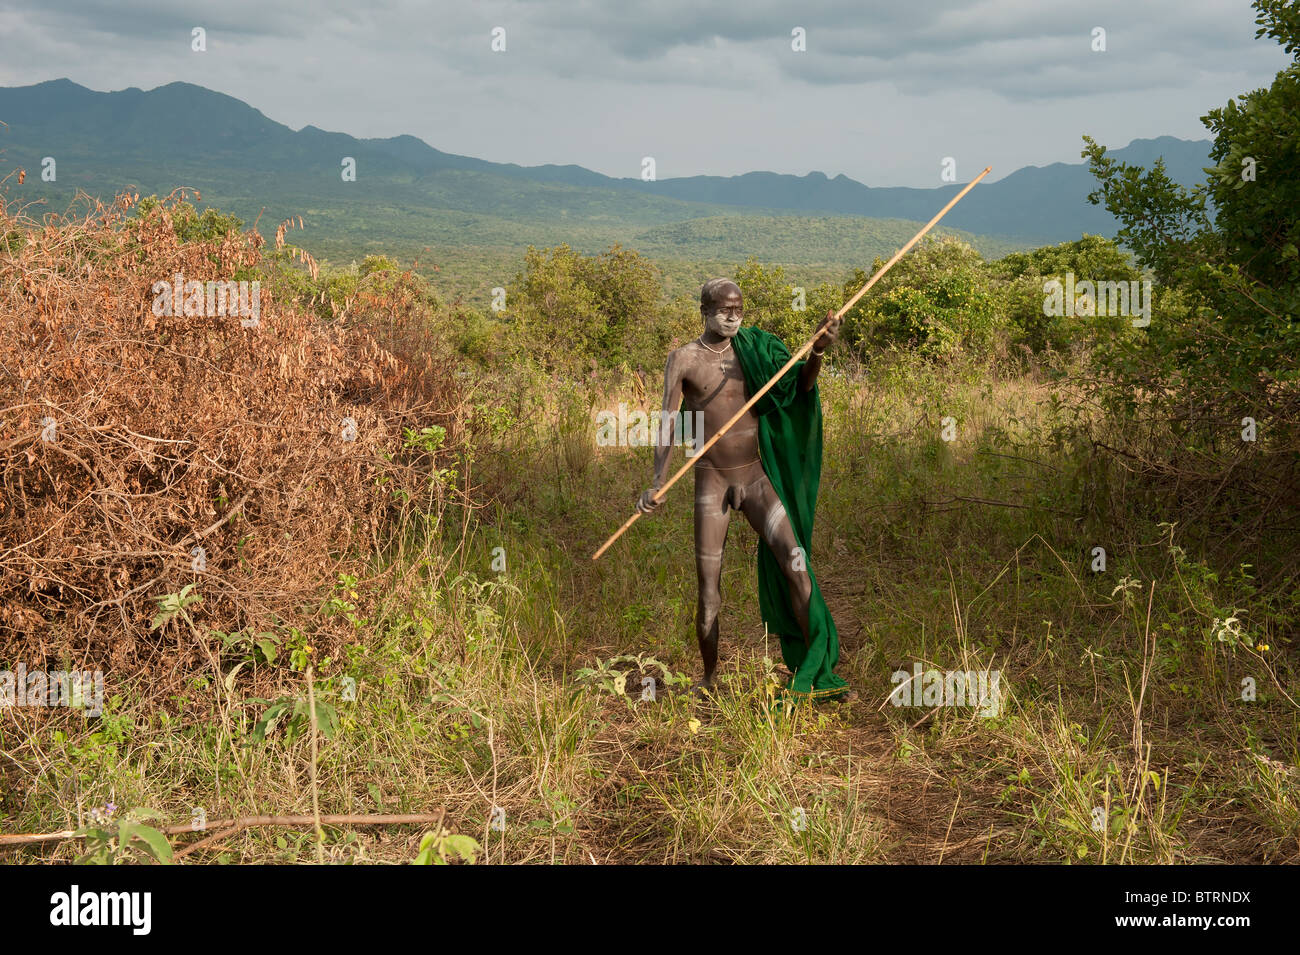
[{"x": 705, "y": 376}]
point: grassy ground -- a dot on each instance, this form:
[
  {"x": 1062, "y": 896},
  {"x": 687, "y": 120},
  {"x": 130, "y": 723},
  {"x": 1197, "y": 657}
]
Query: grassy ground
[{"x": 489, "y": 679}]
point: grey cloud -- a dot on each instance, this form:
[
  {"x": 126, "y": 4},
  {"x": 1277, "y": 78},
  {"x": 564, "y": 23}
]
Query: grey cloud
[
  {"x": 603, "y": 83},
  {"x": 160, "y": 20},
  {"x": 1015, "y": 48}
]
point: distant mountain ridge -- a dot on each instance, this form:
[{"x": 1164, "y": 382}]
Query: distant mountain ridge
[{"x": 479, "y": 215}]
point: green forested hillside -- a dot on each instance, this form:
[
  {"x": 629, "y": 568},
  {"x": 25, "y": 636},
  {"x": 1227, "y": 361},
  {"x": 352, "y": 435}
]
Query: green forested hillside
[{"x": 476, "y": 218}]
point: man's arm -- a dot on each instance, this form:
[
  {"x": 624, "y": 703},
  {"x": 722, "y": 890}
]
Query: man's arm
[
  {"x": 667, "y": 427},
  {"x": 827, "y": 333}
]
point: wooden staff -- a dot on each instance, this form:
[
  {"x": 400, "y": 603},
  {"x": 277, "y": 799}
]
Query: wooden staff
[{"x": 690, "y": 463}]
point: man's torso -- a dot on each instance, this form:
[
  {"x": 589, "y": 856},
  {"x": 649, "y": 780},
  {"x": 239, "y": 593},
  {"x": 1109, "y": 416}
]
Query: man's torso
[{"x": 714, "y": 384}]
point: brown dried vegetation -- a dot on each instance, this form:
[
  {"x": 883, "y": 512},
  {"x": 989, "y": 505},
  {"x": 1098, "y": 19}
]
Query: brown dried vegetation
[{"x": 128, "y": 439}]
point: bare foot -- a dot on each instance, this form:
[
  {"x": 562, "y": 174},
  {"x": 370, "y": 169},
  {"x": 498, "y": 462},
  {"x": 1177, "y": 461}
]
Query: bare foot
[{"x": 701, "y": 690}]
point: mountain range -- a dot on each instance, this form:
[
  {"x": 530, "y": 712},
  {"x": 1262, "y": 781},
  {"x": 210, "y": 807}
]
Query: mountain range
[{"x": 409, "y": 196}]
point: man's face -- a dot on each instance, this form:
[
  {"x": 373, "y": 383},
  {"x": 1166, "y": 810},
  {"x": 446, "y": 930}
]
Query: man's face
[{"x": 724, "y": 314}]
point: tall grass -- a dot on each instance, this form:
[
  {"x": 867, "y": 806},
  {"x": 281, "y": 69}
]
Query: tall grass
[{"x": 486, "y": 679}]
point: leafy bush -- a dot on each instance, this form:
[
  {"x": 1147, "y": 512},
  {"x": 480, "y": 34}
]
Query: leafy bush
[
  {"x": 1214, "y": 378},
  {"x": 189, "y": 224},
  {"x": 937, "y": 299},
  {"x": 572, "y": 312},
  {"x": 1022, "y": 275}
]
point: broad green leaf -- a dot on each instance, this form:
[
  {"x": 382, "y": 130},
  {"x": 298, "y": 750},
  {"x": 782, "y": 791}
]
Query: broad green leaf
[{"x": 157, "y": 842}]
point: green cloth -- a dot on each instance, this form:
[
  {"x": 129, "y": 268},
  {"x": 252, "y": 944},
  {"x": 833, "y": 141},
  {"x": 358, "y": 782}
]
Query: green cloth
[{"x": 790, "y": 446}]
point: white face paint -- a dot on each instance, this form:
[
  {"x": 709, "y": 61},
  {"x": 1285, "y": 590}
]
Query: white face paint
[{"x": 724, "y": 320}]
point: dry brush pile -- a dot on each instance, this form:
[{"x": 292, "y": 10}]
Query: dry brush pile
[{"x": 140, "y": 453}]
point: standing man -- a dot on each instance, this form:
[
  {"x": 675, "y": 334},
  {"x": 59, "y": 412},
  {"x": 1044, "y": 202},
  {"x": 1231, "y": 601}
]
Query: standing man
[{"x": 768, "y": 466}]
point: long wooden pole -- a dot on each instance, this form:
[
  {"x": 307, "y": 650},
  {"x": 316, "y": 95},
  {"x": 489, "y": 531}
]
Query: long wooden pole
[{"x": 791, "y": 363}]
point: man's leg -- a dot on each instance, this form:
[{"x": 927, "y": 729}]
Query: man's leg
[
  {"x": 766, "y": 514},
  {"x": 763, "y": 509},
  {"x": 711, "y": 523}
]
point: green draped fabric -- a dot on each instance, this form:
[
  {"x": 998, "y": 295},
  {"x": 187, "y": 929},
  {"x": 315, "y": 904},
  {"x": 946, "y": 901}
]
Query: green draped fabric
[{"x": 790, "y": 446}]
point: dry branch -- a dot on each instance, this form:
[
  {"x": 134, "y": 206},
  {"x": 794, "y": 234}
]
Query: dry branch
[{"x": 231, "y": 826}]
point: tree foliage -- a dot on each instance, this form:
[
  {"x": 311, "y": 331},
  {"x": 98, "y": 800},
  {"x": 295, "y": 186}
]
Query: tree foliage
[
  {"x": 1022, "y": 277},
  {"x": 566, "y": 309},
  {"x": 1223, "y": 341}
]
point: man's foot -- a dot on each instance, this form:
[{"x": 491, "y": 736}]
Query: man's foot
[{"x": 702, "y": 690}]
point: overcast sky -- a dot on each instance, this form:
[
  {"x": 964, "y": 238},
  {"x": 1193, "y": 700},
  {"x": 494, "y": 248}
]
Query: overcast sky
[{"x": 883, "y": 92}]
